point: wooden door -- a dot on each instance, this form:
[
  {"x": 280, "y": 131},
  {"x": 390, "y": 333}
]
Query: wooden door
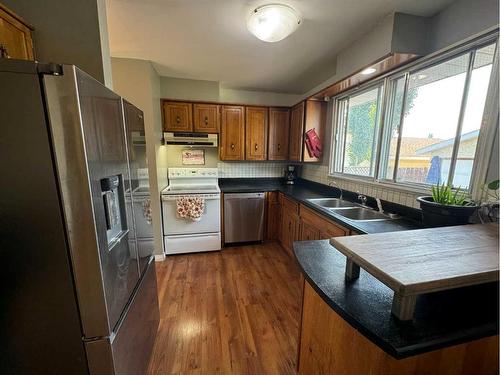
[
  {"x": 232, "y": 145},
  {"x": 16, "y": 41},
  {"x": 289, "y": 230},
  {"x": 206, "y": 118},
  {"x": 296, "y": 132},
  {"x": 308, "y": 232},
  {"x": 279, "y": 123},
  {"x": 177, "y": 117},
  {"x": 273, "y": 216},
  {"x": 256, "y": 127}
]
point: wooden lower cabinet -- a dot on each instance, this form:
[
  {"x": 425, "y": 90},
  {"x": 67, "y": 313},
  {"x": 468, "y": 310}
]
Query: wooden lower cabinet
[
  {"x": 315, "y": 227},
  {"x": 308, "y": 232},
  {"x": 330, "y": 345},
  {"x": 289, "y": 230},
  {"x": 300, "y": 223},
  {"x": 273, "y": 216}
]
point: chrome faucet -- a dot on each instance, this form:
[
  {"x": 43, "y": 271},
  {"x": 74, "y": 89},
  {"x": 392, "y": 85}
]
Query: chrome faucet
[
  {"x": 362, "y": 198},
  {"x": 334, "y": 184},
  {"x": 379, "y": 205}
]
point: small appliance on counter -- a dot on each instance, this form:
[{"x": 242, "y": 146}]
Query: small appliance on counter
[{"x": 290, "y": 174}]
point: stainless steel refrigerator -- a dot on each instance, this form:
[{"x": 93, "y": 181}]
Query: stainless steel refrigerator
[{"x": 76, "y": 295}]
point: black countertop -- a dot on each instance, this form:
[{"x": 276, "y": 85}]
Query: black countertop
[
  {"x": 304, "y": 190},
  {"x": 441, "y": 319}
]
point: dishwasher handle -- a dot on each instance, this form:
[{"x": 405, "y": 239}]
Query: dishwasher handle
[{"x": 231, "y": 196}]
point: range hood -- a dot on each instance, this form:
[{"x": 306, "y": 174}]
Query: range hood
[{"x": 190, "y": 139}]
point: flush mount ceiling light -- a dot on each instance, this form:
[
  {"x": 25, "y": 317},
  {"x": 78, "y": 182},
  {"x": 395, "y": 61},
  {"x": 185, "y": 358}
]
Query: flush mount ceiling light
[
  {"x": 273, "y": 22},
  {"x": 368, "y": 71}
]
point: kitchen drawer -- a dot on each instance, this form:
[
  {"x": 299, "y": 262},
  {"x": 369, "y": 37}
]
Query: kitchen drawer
[
  {"x": 327, "y": 228},
  {"x": 290, "y": 205}
]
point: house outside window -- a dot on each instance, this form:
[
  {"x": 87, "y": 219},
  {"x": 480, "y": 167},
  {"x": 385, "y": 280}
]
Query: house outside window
[{"x": 419, "y": 126}]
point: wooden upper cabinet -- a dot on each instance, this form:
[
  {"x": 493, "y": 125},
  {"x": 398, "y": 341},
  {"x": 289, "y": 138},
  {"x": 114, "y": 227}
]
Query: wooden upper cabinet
[
  {"x": 232, "y": 145},
  {"x": 206, "y": 118},
  {"x": 16, "y": 41},
  {"x": 256, "y": 127},
  {"x": 279, "y": 123},
  {"x": 315, "y": 118},
  {"x": 177, "y": 117},
  {"x": 296, "y": 132}
]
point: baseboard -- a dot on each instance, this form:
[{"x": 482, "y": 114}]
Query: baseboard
[{"x": 159, "y": 257}]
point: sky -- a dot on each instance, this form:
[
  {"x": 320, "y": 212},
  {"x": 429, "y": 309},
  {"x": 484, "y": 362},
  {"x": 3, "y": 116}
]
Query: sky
[{"x": 437, "y": 106}]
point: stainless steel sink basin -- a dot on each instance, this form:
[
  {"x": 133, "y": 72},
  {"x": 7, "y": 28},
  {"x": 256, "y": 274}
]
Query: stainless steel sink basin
[
  {"x": 361, "y": 214},
  {"x": 331, "y": 203}
]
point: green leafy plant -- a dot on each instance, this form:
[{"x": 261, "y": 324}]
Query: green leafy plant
[{"x": 444, "y": 194}]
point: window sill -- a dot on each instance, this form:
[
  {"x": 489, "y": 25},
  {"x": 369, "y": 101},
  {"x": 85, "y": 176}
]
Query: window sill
[{"x": 382, "y": 184}]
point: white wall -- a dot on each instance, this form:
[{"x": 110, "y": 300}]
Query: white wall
[
  {"x": 137, "y": 81},
  {"x": 68, "y": 32},
  {"x": 213, "y": 91},
  {"x": 461, "y": 20},
  {"x": 257, "y": 97},
  {"x": 189, "y": 89}
]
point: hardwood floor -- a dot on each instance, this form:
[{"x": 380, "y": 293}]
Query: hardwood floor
[{"x": 236, "y": 311}]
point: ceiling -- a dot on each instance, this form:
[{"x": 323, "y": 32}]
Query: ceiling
[{"x": 208, "y": 39}]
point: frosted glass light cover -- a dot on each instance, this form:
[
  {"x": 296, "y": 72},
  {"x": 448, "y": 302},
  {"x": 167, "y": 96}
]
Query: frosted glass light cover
[{"x": 274, "y": 22}]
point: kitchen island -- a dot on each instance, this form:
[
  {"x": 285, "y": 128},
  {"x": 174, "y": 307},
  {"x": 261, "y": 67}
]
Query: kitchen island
[{"x": 347, "y": 326}]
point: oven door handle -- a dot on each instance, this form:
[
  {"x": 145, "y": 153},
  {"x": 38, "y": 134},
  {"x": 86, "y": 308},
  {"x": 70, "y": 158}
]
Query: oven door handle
[{"x": 173, "y": 198}]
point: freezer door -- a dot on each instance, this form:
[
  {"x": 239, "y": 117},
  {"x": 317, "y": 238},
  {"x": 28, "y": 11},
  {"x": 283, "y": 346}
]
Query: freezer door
[
  {"x": 129, "y": 351},
  {"x": 86, "y": 124},
  {"x": 136, "y": 150}
]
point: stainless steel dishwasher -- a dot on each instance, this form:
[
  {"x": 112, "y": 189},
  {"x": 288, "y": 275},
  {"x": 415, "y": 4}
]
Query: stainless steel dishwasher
[{"x": 243, "y": 217}]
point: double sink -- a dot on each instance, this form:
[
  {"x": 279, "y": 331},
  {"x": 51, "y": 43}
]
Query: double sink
[{"x": 349, "y": 210}]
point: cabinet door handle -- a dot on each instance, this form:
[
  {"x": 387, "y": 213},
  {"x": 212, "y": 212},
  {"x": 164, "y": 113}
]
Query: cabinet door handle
[
  {"x": 256, "y": 147},
  {"x": 232, "y": 146},
  {"x": 178, "y": 119},
  {"x": 206, "y": 120},
  {"x": 279, "y": 146}
]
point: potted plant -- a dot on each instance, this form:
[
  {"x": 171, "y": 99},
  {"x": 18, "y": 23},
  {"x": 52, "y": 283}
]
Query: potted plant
[
  {"x": 446, "y": 207},
  {"x": 489, "y": 202}
]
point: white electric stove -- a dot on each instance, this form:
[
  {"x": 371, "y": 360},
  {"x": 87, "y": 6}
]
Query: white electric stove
[{"x": 183, "y": 235}]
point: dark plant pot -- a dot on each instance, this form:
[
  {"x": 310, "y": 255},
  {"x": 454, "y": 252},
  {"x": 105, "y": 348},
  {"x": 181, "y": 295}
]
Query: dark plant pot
[{"x": 441, "y": 215}]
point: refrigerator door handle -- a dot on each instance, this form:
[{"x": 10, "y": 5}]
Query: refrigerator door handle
[{"x": 118, "y": 239}]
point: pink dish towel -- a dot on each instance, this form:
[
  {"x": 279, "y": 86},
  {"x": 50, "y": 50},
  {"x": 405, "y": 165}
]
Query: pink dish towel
[{"x": 190, "y": 208}]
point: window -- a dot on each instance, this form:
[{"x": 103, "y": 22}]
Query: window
[
  {"x": 431, "y": 125},
  {"x": 358, "y": 119}
]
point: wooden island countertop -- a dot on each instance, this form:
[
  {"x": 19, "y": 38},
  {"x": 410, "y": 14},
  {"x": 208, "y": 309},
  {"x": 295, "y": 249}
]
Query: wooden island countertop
[
  {"x": 422, "y": 261},
  {"x": 347, "y": 327}
]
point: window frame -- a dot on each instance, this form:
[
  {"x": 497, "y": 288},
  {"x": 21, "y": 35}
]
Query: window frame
[
  {"x": 336, "y": 134},
  {"x": 487, "y": 130}
]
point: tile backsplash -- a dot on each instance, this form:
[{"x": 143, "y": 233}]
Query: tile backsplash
[
  {"x": 252, "y": 169},
  {"x": 319, "y": 173}
]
